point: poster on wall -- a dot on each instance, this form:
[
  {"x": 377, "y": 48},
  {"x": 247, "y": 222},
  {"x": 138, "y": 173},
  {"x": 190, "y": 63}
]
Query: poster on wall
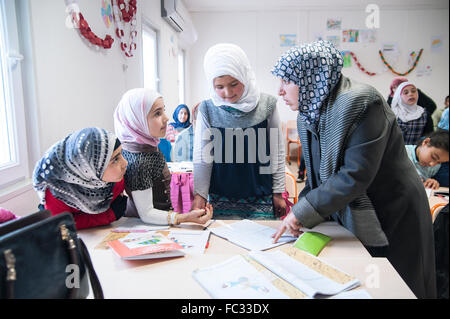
[
  {"x": 288, "y": 40},
  {"x": 425, "y": 70},
  {"x": 347, "y": 59},
  {"x": 106, "y": 13},
  {"x": 350, "y": 35},
  {"x": 367, "y": 36},
  {"x": 334, "y": 24},
  {"x": 390, "y": 49},
  {"x": 436, "y": 44},
  {"x": 335, "y": 40}
]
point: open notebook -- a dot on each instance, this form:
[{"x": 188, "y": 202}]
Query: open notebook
[{"x": 285, "y": 273}]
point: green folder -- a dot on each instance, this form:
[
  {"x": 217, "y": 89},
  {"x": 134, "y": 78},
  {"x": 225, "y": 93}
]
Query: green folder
[{"x": 312, "y": 242}]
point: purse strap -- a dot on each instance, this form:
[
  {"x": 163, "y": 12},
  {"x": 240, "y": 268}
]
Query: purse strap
[{"x": 95, "y": 283}]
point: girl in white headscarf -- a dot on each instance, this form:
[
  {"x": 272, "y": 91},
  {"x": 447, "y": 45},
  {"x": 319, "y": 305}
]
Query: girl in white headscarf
[
  {"x": 245, "y": 179},
  {"x": 140, "y": 121},
  {"x": 414, "y": 120}
]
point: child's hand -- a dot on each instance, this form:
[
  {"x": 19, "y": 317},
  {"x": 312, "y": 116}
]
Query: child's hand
[
  {"x": 279, "y": 205},
  {"x": 431, "y": 183},
  {"x": 200, "y": 216}
]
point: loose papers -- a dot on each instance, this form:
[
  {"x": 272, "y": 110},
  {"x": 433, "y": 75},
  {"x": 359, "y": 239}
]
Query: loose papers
[{"x": 250, "y": 235}]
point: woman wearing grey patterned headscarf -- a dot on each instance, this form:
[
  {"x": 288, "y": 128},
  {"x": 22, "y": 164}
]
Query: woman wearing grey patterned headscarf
[
  {"x": 358, "y": 171},
  {"x": 83, "y": 174}
]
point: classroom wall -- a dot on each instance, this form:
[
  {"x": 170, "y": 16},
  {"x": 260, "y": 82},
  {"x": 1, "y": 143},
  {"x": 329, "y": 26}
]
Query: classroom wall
[
  {"x": 257, "y": 32},
  {"x": 79, "y": 86}
]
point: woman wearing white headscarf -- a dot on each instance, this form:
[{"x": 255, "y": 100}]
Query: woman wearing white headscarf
[
  {"x": 242, "y": 175},
  {"x": 413, "y": 120},
  {"x": 359, "y": 173},
  {"x": 140, "y": 122}
]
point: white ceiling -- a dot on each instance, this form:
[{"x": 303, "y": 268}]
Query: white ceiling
[{"x": 252, "y": 5}]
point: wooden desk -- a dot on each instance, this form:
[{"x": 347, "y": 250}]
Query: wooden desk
[{"x": 171, "y": 278}]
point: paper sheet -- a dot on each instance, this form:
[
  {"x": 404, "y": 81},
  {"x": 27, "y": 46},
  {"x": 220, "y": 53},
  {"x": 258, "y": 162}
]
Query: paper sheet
[
  {"x": 236, "y": 279},
  {"x": 193, "y": 242},
  {"x": 136, "y": 225},
  {"x": 306, "y": 272},
  {"x": 180, "y": 167},
  {"x": 250, "y": 235}
]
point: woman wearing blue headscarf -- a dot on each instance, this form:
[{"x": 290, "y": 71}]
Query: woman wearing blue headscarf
[
  {"x": 358, "y": 170},
  {"x": 181, "y": 117}
]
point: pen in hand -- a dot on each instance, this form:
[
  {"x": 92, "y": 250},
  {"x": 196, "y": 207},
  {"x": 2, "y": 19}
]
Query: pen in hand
[{"x": 209, "y": 224}]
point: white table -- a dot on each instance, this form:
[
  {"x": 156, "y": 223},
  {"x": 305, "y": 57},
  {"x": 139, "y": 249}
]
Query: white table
[{"x": 171, "y": 278}]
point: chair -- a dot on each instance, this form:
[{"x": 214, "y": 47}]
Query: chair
[
  {"x": 435, "y": 211},
  {"x": 291, "y": 186},
  {"x": 166, "y": 148},
  {"x": 292, "y": 125}
]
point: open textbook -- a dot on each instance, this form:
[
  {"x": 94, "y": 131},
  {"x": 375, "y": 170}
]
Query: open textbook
[
  {"x": 250, "y": 235},
  {"x": 285, "y": 273}
]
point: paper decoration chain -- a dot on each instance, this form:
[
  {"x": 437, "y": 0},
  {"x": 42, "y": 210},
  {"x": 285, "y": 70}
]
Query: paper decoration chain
[{"x": 398, "y": 73}]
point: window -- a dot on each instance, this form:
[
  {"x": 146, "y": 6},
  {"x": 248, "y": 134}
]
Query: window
[
  {"x": 150, "y": 56},
  {"x": 181, "y": 76},
  {"x": 13, "y": 142}
]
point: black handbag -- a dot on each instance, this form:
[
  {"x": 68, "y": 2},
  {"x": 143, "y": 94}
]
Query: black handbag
[{"x": 41, "y": 256}]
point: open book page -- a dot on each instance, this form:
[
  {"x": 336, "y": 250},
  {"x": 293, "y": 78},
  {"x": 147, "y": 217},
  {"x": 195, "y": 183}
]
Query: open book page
[
  {"x": 278, "y": 282},
  {"x": 136, "y": 225},
  {"x": 193, "y": 241},
  {"x": 306, "y": 272},
  {"x": 250, "y": 235},
  {"x": 235, "y": 278}
]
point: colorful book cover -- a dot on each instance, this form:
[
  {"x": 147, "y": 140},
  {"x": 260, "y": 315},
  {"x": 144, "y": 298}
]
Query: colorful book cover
[{"x": 145, "y": 246}]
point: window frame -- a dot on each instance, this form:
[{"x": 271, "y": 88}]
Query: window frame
[
  {"x": 182, "y": 85},
  {"x": 148, "y": 27},
  {"x": 18, "y": 169}
]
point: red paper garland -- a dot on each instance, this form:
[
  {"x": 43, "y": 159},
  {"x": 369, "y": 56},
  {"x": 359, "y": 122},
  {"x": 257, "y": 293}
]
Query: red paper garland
[
  {"x": 86, "y": 31},
  {"x": 127, "y": 16},
  {"x": 120, "y": 14},
  {"x": 359, "y": 65}
]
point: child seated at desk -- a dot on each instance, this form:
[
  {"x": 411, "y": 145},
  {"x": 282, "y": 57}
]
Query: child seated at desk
[
  {"x": 83, "y": 174},
  {"x": 140, "y": 122},
  {"x": 427, "y": 156}
]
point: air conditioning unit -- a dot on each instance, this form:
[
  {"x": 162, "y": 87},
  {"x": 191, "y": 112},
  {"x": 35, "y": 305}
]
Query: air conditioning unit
[
  {"x": 170, "y": 11},
  {"x": 178, "y": 17}
]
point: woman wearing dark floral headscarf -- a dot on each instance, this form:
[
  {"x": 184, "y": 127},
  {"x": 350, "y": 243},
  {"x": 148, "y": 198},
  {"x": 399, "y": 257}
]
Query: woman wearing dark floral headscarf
[{"x": 358, "y": 171}]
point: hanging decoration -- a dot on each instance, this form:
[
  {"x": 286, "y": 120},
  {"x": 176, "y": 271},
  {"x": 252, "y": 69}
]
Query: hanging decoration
[
  {"x": 359, "y": 65},
  {"x": 85, "y": 30},
  {"x": 398, "y": 73},
  {"x": 107, "y": 13},
  {"x": 414, "y": 64},
  {"x": 122, "y": 16}
]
